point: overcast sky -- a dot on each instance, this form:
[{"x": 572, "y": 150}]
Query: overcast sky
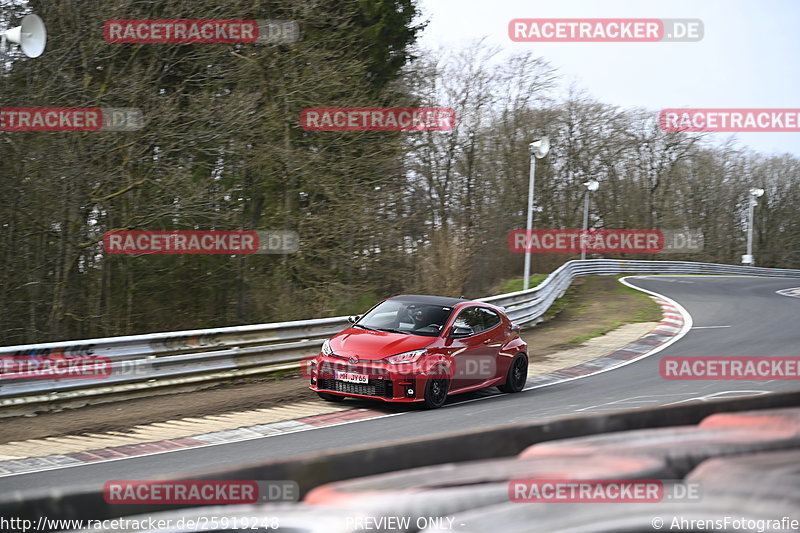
[{"x": 748, "y": 58}]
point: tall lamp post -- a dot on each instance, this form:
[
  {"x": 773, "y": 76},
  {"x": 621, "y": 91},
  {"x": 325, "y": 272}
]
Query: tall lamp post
[
  {"x": 591, "y": 186},
  {"x": 747, "y": 259},
  {"x": 538, "y": 149}
]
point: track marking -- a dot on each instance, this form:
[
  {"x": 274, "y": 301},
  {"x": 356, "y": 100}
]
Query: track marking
[
  {"x": 792, "y": 293},
  {"x": 726, "y": 393},
  {"x": 711, "y": 327},
  {"x": 633, "y": 399}
]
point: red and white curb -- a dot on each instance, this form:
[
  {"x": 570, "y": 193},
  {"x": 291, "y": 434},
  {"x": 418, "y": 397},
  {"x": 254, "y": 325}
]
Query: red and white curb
[
  {"x": 675, "y": 322},
  {"x": 35, "y": 464}
]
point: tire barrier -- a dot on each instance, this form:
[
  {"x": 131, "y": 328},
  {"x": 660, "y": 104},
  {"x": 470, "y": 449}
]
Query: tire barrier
[
  {"x": 731, "y": 515},
  {"x": 442, "y": 490},
  {"x": 782, "y": 418},
  {"x": 682, "y": 448},
  {"x": 773, "y": 476},
  {"x": 432, "y": 478}
]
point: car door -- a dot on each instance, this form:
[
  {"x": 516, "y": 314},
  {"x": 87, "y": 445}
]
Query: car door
[{"x": 474, "y": 356}]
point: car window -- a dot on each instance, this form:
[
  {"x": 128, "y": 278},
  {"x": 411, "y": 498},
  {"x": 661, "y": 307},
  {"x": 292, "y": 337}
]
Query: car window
[
  {"x": 410, "y": 317},
  {"x": 490, "y": 318},
  {"x": 470, "y": 318}
]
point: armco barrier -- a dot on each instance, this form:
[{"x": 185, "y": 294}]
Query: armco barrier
[{"x": 147, "y": 364}]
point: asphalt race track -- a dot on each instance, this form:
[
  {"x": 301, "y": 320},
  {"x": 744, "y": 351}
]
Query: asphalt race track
[{"x": 731, "y": 316}]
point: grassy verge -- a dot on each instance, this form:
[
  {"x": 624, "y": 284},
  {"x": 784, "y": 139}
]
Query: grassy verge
[
  {"x": 591, "y": 307},
  {"x": 514, "y": 285},
  {"x": 643, "y": 309}
]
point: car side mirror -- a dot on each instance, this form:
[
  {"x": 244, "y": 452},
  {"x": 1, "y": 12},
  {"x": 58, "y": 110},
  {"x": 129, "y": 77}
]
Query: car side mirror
[
  {"x": 515, "y": 329},
  {"x": 353, "y": 318},
  {"x": 458, "y": 332}
]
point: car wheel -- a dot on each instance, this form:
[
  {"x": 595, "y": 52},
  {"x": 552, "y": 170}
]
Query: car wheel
[
  {"x": 517, "y": 374},
  {"x": 330, "y": 397},
  {"x": 436, "y": 392}
]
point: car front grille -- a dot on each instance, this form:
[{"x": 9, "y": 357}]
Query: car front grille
[{"x": 375, "y": 387}]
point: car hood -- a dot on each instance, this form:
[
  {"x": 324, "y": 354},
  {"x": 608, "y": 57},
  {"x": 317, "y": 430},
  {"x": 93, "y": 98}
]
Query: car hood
[{"x": 373, "y": 345}]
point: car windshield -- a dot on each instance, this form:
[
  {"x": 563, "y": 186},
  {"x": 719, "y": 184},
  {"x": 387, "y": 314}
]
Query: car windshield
[{"x": 409, "y": 317}]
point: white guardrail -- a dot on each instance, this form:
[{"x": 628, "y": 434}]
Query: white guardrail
[{"x": 145, "y": 364}]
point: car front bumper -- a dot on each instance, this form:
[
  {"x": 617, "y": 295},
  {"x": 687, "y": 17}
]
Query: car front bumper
[{"x": 386, "y": 382}]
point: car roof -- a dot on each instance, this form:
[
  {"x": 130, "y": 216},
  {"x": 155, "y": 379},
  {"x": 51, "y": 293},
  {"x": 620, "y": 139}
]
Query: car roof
[{"x": 428, "y": 299}]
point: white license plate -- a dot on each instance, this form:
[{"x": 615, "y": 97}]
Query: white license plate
[{"x": 352, "y": 377}]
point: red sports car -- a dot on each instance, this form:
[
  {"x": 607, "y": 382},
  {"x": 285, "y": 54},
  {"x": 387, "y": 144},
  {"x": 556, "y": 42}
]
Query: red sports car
[{"x": 414, "y": 348}]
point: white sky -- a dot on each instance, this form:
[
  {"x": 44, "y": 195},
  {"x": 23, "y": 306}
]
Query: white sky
[{"x": 748, "y": 58}]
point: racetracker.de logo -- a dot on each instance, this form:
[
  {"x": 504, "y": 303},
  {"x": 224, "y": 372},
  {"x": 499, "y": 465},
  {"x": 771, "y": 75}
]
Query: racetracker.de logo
[
  {"x": 200, "y": 492},
  {"x": 200, "y": 242},
  {"x": 607, "y": 241},
  {"x": 473, "y": 367},
  {"x": 605, "y": 30},
  {"x": 586, "y": 490},
  {"x": 70, "y": 119},
  {"x": 729, "y": 368},
  {"x": 54, "y": 367},
  {"x": 378, "y": 119},
  {"x": 729, "y": 120},
  {"x": 201, "y": 31}
]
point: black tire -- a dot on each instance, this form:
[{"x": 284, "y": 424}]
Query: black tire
[
  {"x": 330, "y": 397},
  {"x": 517, "y": 374},
  {"x": 435, "y": 392}
]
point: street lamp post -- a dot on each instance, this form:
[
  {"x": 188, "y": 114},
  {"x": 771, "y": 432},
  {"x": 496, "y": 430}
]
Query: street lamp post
[
  {"x": 754, "y": 193},
  {"x": 591, "y": 186},
  {"x": 538, "y": 149}
]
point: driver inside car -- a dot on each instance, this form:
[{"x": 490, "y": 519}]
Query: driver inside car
[{"x": 428, "y": 318}]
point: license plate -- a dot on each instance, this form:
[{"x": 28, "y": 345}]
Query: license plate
[{"x": 352, "y": 377}]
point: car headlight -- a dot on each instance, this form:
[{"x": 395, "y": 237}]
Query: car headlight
[
  {"x": 326, "y": 347},
  {"x": 406, "y": 357}
]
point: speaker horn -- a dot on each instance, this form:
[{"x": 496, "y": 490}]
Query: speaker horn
[{"x": 31, "y": 36}]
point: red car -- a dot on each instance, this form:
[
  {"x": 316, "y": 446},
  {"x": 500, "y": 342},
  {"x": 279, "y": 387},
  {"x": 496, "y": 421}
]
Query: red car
[{"x": 414, "y": 348}]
